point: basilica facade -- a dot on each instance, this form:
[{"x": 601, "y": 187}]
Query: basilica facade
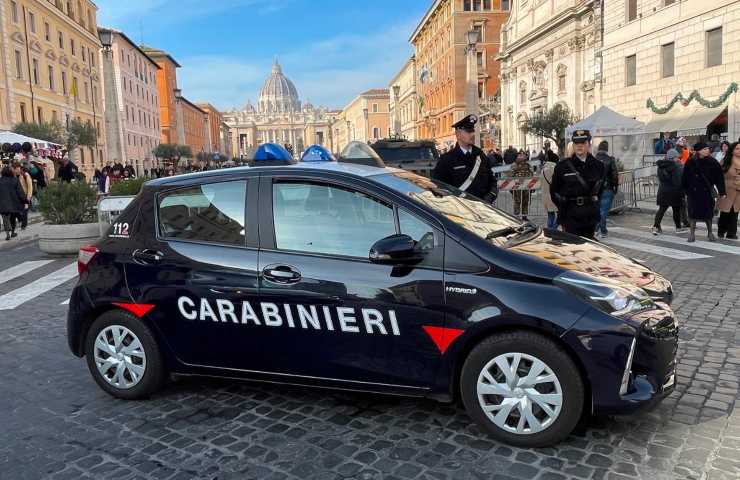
[{"x": 278, "y": 117}]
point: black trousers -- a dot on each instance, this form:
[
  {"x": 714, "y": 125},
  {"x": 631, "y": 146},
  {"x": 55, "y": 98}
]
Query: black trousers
[
  {"x": 684, "y": 212},
  {"x": 676, "y": 209},
  {"x": 22, "y": 217},
  {"x": 727, "y": 223},
  {"x": 582, "y": 231},
  {"x": 8, "y": 220}
]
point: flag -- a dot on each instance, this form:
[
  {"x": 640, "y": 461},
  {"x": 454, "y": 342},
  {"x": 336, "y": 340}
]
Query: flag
[{"x": 73, "y": 92}]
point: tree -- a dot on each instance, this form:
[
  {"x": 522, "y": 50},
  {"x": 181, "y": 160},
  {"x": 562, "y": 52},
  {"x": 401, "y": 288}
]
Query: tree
[
  {"x": 48, "y": 131},
  {"x": 551, "y": 124},
  {"x": 172, "y": 152},
  {"x": 80, "y": 134}
]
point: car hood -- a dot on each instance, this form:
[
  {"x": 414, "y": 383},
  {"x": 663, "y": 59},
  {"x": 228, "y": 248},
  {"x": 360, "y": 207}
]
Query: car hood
[{"x": 587, "y": 256}]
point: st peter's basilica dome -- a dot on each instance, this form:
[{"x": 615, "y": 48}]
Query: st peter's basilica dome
[{"x": 278, "y": 94}]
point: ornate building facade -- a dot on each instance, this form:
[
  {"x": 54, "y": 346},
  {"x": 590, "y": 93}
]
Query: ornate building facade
[
  {"x": 404, "y": 104},
  {"x": 548, "y": 57},
  {"x": 279, "y": 117}
]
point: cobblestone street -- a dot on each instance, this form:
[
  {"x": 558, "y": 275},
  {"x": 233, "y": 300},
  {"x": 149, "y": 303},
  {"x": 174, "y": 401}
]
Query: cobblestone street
[{"x": 58, "y": 424}]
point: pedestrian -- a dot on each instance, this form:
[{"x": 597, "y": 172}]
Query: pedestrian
[
  {"x": 26, "y": 183},
  {"x": 549, "y": 155},
  {"x": 466, "y": 166},
  {"x": 104, "y": 181},
  {"x": 546, "y": 179},
  {"x": 721, "y": 153},
  {"x": 96, "y": 176},
  {"x": 670, "y": 191},
  {"x": 704, "y": 183},
  {"x": 510, "y": 155},
  {"x": 611, "y": 186},
  {"x": 126, "y": 174},
  {"x": 521, "y": 169},
  {"x": 576, "y": 186},
  {"x": 730, "y": 205},
  {"x": 11, "y": 200},
  {"x": 494, "y": 158},
  {"x": 660, "y": 145},
  {"x": 683, "y": 149},
  {"x": 68, "y": 170}
]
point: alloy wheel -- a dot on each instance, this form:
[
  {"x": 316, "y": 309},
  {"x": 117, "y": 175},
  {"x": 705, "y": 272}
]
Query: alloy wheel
[{"x": 119, "y": 357}]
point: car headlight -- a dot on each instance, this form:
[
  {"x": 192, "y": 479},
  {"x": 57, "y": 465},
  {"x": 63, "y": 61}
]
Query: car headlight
[{"x": 612, "y": 298}]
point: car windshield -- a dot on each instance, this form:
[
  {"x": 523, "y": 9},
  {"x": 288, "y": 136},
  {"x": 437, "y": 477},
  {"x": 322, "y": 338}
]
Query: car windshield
[
  {"x": 462, "y": 208},
  {"x": 405, "y": 155}
]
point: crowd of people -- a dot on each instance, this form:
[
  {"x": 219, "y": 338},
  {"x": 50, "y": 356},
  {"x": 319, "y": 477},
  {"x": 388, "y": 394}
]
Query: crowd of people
[{"x": 16, "y": 197}]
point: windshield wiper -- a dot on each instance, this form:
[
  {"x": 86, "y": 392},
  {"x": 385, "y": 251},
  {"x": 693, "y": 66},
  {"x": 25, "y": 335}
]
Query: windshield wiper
[{"x": 520, "y": 230}]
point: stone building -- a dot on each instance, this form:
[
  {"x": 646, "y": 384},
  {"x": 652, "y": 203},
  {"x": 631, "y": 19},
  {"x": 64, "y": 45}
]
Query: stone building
[
  {"x": 675, "y": 65},
  {"x": 439, "y": 42},
  {"x": 367, "y": 117},
  {"x": 404, "y": 104},
  {"x": 194, "y": 121},
  {"x": 166, "y": 88},
  {"x": 131, "y": 99},
  {"x": 548, "y": 57},
  {"x": 51, "y": 69},
  {"x": 218, "y": 131},
  {"x": 279, "y": 117}
]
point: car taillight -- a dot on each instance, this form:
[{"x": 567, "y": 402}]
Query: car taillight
[{"x": 84, "y": 257}]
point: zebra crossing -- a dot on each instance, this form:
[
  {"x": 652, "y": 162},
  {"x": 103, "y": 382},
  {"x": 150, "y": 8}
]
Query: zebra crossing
[{"x": 30, "y": 280}]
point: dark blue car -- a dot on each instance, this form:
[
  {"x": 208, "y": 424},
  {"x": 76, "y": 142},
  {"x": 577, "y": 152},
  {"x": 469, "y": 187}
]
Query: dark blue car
[{"x": 371, "y": 279}]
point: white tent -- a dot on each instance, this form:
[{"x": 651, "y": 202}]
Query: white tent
[
  {"x": 12, "y": 137},
  {"x": 605, "y": 122}
]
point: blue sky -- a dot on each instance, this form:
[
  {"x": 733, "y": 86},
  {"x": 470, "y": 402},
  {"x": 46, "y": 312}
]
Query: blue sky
[{"x": 332, "y": 50}]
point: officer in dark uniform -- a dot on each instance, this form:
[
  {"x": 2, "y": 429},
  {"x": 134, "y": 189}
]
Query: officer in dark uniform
[
  {"x": 576, "y": 185},
  {"x": 466, "y": 166}
]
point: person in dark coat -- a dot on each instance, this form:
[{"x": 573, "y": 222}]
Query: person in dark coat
[
  {"x": 510, "y": 155},
  {"x": 576, "y": 186},
  {"x": 611, "y": 185},
  {"x": 12, "y": 200},
  {"x": 466, "y": 166},
  {"x": 703, "y": 181},
  {"x": 68, "y": 170},
  {"x": 670, "y": 191}
]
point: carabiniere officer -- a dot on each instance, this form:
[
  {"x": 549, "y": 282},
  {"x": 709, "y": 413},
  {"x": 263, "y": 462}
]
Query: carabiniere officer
[
  {"x": 466, "y": 166},
  {"x": 576, "y": 186}
]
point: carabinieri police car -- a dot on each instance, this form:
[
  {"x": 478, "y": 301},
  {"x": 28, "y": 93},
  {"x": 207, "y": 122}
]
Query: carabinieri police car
[{"x": 374, "y": 279}]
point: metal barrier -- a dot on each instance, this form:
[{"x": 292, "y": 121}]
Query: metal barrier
[{"x": 109, "y": 208}]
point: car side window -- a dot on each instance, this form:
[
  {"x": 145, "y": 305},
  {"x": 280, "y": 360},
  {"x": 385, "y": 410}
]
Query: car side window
[
  {"x": 327, "y": 219},
  {"x": 428, "y": 239},
  {"x": 206, "y": 213}
]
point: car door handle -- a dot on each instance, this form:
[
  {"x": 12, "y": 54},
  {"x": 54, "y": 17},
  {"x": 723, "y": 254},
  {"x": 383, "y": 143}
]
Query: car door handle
[
  {"x": 281, "y": 274},
  {"x": 147, "y": 256}
]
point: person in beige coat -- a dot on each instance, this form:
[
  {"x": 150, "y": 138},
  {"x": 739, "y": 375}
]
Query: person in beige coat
[
  {"x": 552, "y": 210},
  {"x": 27, "y": 186},
  {"x": 730, "y": 205}
]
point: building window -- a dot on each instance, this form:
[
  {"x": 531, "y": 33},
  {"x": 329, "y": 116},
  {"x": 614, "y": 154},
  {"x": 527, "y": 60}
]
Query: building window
[
  {"x": 51, "y": 78},
  {"x": 479, "y": 59},
  {"x": 669, "y": 2},
  {"x": 375, "y": 108},
  {"x": 24, "y": 118},
  {"x": 40, "y": 115},
  {"x": 522, "y": 93},
  {"x": 35, "y": 64},
  {"x": 714, "y": 47},
  {"x": 70, "y": 12},
  {"x": 84, "y": 54},
  {"x": 14, "y": 11},
  {"x": 32, "y": 22},
  {"x": 505, "y": 5},
  {"x": 631, "y": 10},
  {"x": 87, "y": 93},
  {"x": 486, "y": 4},
  {"x": 54, "y": 116},
  {"x": 47, "y": 32},
  {"x": 481, "y": 90},
  {"x": 479, "y": 29},
  {"x": 18, "y": 65},
  {"x": 667, "y": 59},
  {"x": 630, "y": 70},
  {"x": 61, "y": 40},
  {"x": 476, "y": 5},
  {"x": 72, "y": 46},
  {"x": 467, "y": 5},
  {"x": 64, "y": 83}
]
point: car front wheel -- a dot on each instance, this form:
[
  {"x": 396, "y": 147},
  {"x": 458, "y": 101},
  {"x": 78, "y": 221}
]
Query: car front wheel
[
  {"x": 523, "y": 389},
  {"x": 123, "y": 356}
]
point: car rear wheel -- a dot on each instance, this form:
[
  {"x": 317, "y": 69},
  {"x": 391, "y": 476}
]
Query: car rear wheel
[
  {"x": 523, "y": 389},
  {"x": 123, "y": 356}
]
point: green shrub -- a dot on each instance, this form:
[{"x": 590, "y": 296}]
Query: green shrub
[
  {"x": 64, "y": 203},
  {"x": 127, "y": 187}
]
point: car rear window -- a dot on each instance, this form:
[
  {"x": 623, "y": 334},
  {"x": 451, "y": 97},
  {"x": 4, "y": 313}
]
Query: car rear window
[
  {"x": 406, "y": 154},
  {"x": 211, "y": 213}
]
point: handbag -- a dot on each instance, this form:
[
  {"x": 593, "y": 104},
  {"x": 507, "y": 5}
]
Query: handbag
[{"x": 712, "y": 188}]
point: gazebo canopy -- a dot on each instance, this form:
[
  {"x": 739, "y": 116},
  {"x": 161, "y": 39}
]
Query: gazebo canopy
[
  {"x": 605, "y": 122},
  {"x": 12, "y": 137}
]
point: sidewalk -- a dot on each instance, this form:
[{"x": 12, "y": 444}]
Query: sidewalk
[{"x": 29, "y": 235}]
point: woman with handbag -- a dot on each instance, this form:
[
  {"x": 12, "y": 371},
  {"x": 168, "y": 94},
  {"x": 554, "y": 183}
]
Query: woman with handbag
[
  {"x": 703, "y": 183},
  {"x": 730, "y": 205}
]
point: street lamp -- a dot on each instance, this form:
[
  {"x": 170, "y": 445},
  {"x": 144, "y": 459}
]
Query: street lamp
[
  {"x": 471, "y": 90},
  {"x": 106, "y": 39},
  {"x": 396, "y": 118}
]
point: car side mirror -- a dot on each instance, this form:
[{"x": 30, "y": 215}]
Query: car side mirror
[{"x": 395, "y": 250}]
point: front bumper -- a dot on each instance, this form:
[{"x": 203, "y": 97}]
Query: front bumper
[{"x": 603, "y": 343}]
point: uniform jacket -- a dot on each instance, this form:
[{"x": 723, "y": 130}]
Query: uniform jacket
[
  {"x": 670, "y": 191},
  {"x": 732, "y": 188},
  {"x": 565, "y": 189},
  {"x": 547, "y": 172},
  {"x": 12, "y": 198},
  {"x": 611, "y": 174},
  {"x": 699, "y": 175},
  {"x": 454, "y": 167}
]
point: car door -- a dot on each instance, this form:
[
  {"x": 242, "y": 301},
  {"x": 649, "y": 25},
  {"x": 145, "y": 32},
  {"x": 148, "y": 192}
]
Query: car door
[
  {"x": 199, "y": 269},
  {"x": 352, "y": 320}
]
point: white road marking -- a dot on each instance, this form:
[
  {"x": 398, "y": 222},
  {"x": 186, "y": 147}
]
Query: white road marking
[
  {"x": 654, "y": 249},
  {"x": 22, "y": 269},
  {"x": 66, "y": 302},
  {"x": 715, "y": 247},
  {"x": 28, "y": 292}
]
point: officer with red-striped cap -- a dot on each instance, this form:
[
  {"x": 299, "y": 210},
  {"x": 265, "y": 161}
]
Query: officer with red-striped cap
[{"x": 466, "y": 166}]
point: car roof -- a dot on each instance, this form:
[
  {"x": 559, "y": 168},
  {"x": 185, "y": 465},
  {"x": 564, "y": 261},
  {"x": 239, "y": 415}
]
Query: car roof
[{"x": 338, "y": 167}]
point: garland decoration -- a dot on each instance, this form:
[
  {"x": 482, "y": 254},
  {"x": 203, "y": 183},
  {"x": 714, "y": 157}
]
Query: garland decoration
[{"x": 695, "y": 95}]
